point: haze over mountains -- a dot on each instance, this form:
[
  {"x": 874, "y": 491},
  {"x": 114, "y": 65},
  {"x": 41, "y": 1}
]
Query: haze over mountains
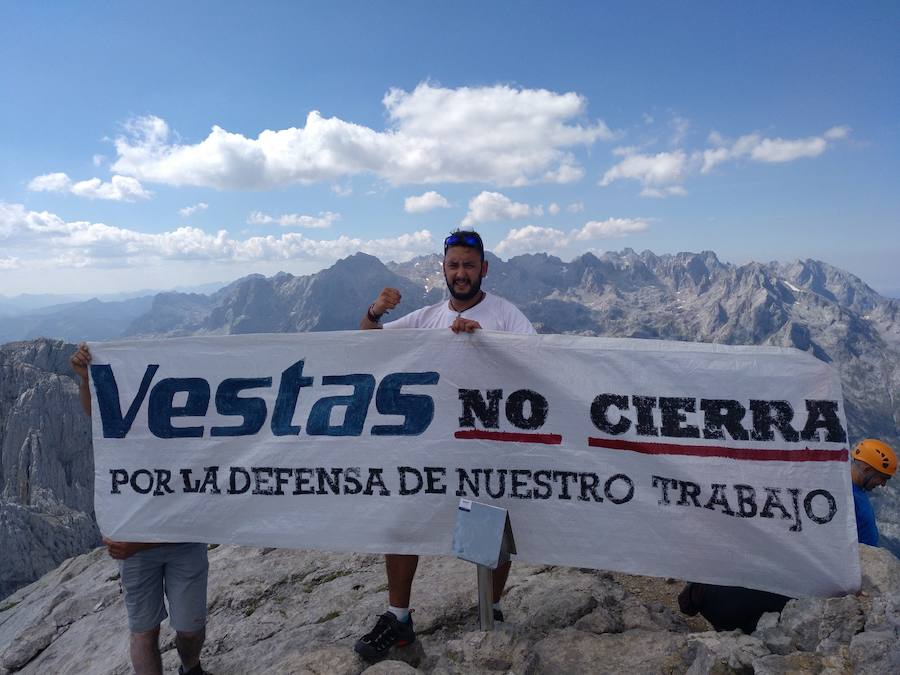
[
  {"x": 23, "y": 317},
  {"x": 808, "y": 305}
]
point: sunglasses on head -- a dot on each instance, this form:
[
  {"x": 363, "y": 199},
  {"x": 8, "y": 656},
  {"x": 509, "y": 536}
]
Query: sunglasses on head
[{"x": 463, "y": 239}]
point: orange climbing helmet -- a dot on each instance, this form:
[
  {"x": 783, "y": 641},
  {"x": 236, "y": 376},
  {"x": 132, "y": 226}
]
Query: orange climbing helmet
[{"x": 876, "y": 454}]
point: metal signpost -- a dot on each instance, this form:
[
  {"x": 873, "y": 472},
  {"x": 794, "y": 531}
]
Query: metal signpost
[{"x": 483, "y": 536}]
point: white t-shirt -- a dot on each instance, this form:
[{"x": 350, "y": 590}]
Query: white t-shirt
[{"x": 493, "y": 313}]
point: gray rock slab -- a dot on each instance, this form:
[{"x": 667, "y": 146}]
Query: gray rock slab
[
  {"x": 636, "y": 651},
  {"x": 725, "y": 652},
  {"x": 30, "y": 642},
  {"x": 880, "y": 570},
  {"x": 283, "y": 611},
  {"x": 802, "y": 662},
  {"x": 876, "y": 652}
]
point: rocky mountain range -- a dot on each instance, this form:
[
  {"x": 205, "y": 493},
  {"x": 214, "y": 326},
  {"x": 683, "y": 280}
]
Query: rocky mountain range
[
  {"x": 809, "y": 305},
  {"x": 46, "y": 473}
]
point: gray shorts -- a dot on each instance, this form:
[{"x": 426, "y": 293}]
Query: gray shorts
[{"x": 179, "y": 571}]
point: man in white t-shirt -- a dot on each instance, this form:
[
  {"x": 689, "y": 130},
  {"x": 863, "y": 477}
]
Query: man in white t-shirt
[{"x": 468, "y": 309}]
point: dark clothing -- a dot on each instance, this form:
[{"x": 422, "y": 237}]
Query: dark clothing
[
  {"x": 866, "y": 530},
  {"x": 729, "y": 607}
]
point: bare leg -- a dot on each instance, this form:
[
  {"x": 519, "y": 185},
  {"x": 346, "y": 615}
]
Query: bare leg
[
  {"x": 189, "y": 646},
  {"x": 145, "y": 656},
  {"x": 400, "y": 572},
  {"x": 501, "y": 572}
]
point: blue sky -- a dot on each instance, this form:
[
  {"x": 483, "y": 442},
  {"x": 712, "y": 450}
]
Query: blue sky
[{"x": 170, "y": 144}]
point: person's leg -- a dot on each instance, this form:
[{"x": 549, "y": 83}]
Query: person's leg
[
  {"x": 189, "y": 646},
  {"x": 142, "y": 583},
  {"x": 186, "y": 573},
  {"x": 390, "y": 630},
  {"x": 401, "y": 569},
  {"x": 144, "y": 649}
]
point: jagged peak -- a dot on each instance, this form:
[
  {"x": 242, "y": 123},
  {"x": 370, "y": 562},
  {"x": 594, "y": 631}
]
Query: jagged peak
[{"x": 357, "y": 261}]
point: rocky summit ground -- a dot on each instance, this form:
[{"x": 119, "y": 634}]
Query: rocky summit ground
[{"x": 282, "y": 611}]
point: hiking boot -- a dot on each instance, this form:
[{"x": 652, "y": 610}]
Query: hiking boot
[
  {"x": 196, "y": 670},
  {"x": 388, "y": 632}
]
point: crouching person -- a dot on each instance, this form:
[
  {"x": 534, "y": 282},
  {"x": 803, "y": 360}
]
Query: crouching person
[
  {"x": 152, "y": 572},
  {"x": 729, "y": 607}
]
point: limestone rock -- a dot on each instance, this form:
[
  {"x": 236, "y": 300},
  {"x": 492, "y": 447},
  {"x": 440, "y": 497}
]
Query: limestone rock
[
  {"x": 574, "y": 651},
  {"x": 283, "y": 611},
  {"x": 502, "y": 650},
  {"x": 876, "y": 652},
  {"x": 884, "y": 612},
  {"x": 549, "y": 600},
  {"x": 391, "y": 668},
  {"x": 46, "y": 464},
  {"x": 801, "y": 662},
  {"x": 725, "y": 652},
  {"x": 29, "y": 643},
  {"x": 822, "y": 624},
  {"x": 881, "y": 570}
]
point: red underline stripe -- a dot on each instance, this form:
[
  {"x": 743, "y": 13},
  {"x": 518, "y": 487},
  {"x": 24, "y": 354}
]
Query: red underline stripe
[
  {"x": 768, "y": 455},
  {"x": 509, "y": 436}
]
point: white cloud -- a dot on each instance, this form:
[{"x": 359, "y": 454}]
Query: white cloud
[
  {"x": 553, "y": 209},
  {"x": 188, "y": 211},
  {"x": 429, "y": 201},
  {"x": 499, "y": 135},
  {"x": 609, "y": 228},
  {"x": 568, "y": 172},
  {"x": 342, "y": 190},
  {"x": 713, "y": 156},
  {"x": 663, "y": 192},
  {"x": 837, "y": 133},
  {"x": 118, "y": 189},
  {"x": 662, "y": 175},
  {"x": 769, "y": 150},
  {"x": 715, "y": 138},
  {"x": 43, "y": 240},
  {"x": 533, "y": 239},
  {"x": 489, "y": 207},
  {"x": 575, "y": 207},
  {"x": 98, "y": 160},
  {"x": 784, "y": 150},
  {"x": 660, "y": 169},
  {"x": 322, "y": 221},
  {"x": 50, "y": 182}
]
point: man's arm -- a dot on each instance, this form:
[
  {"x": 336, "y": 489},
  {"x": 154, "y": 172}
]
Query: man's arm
[
  {"x": 386, "y": 301},
  {"x": 80, "y": 361}
]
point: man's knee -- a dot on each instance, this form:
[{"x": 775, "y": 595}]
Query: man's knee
[
  {"x": 144, "y": 649},
  {"x": 194, "y": 637},
  {"x": 146, "y": 636}
]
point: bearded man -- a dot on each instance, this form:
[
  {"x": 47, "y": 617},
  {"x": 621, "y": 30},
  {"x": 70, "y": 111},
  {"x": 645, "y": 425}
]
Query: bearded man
[{"x": 468, "y": 309}]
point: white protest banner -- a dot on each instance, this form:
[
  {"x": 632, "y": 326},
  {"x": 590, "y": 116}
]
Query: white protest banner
[{"x": 705, "y": 462}]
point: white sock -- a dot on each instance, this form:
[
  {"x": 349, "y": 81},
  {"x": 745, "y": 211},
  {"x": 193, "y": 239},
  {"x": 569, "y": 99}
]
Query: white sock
[{"x": 402, "y": 613}]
